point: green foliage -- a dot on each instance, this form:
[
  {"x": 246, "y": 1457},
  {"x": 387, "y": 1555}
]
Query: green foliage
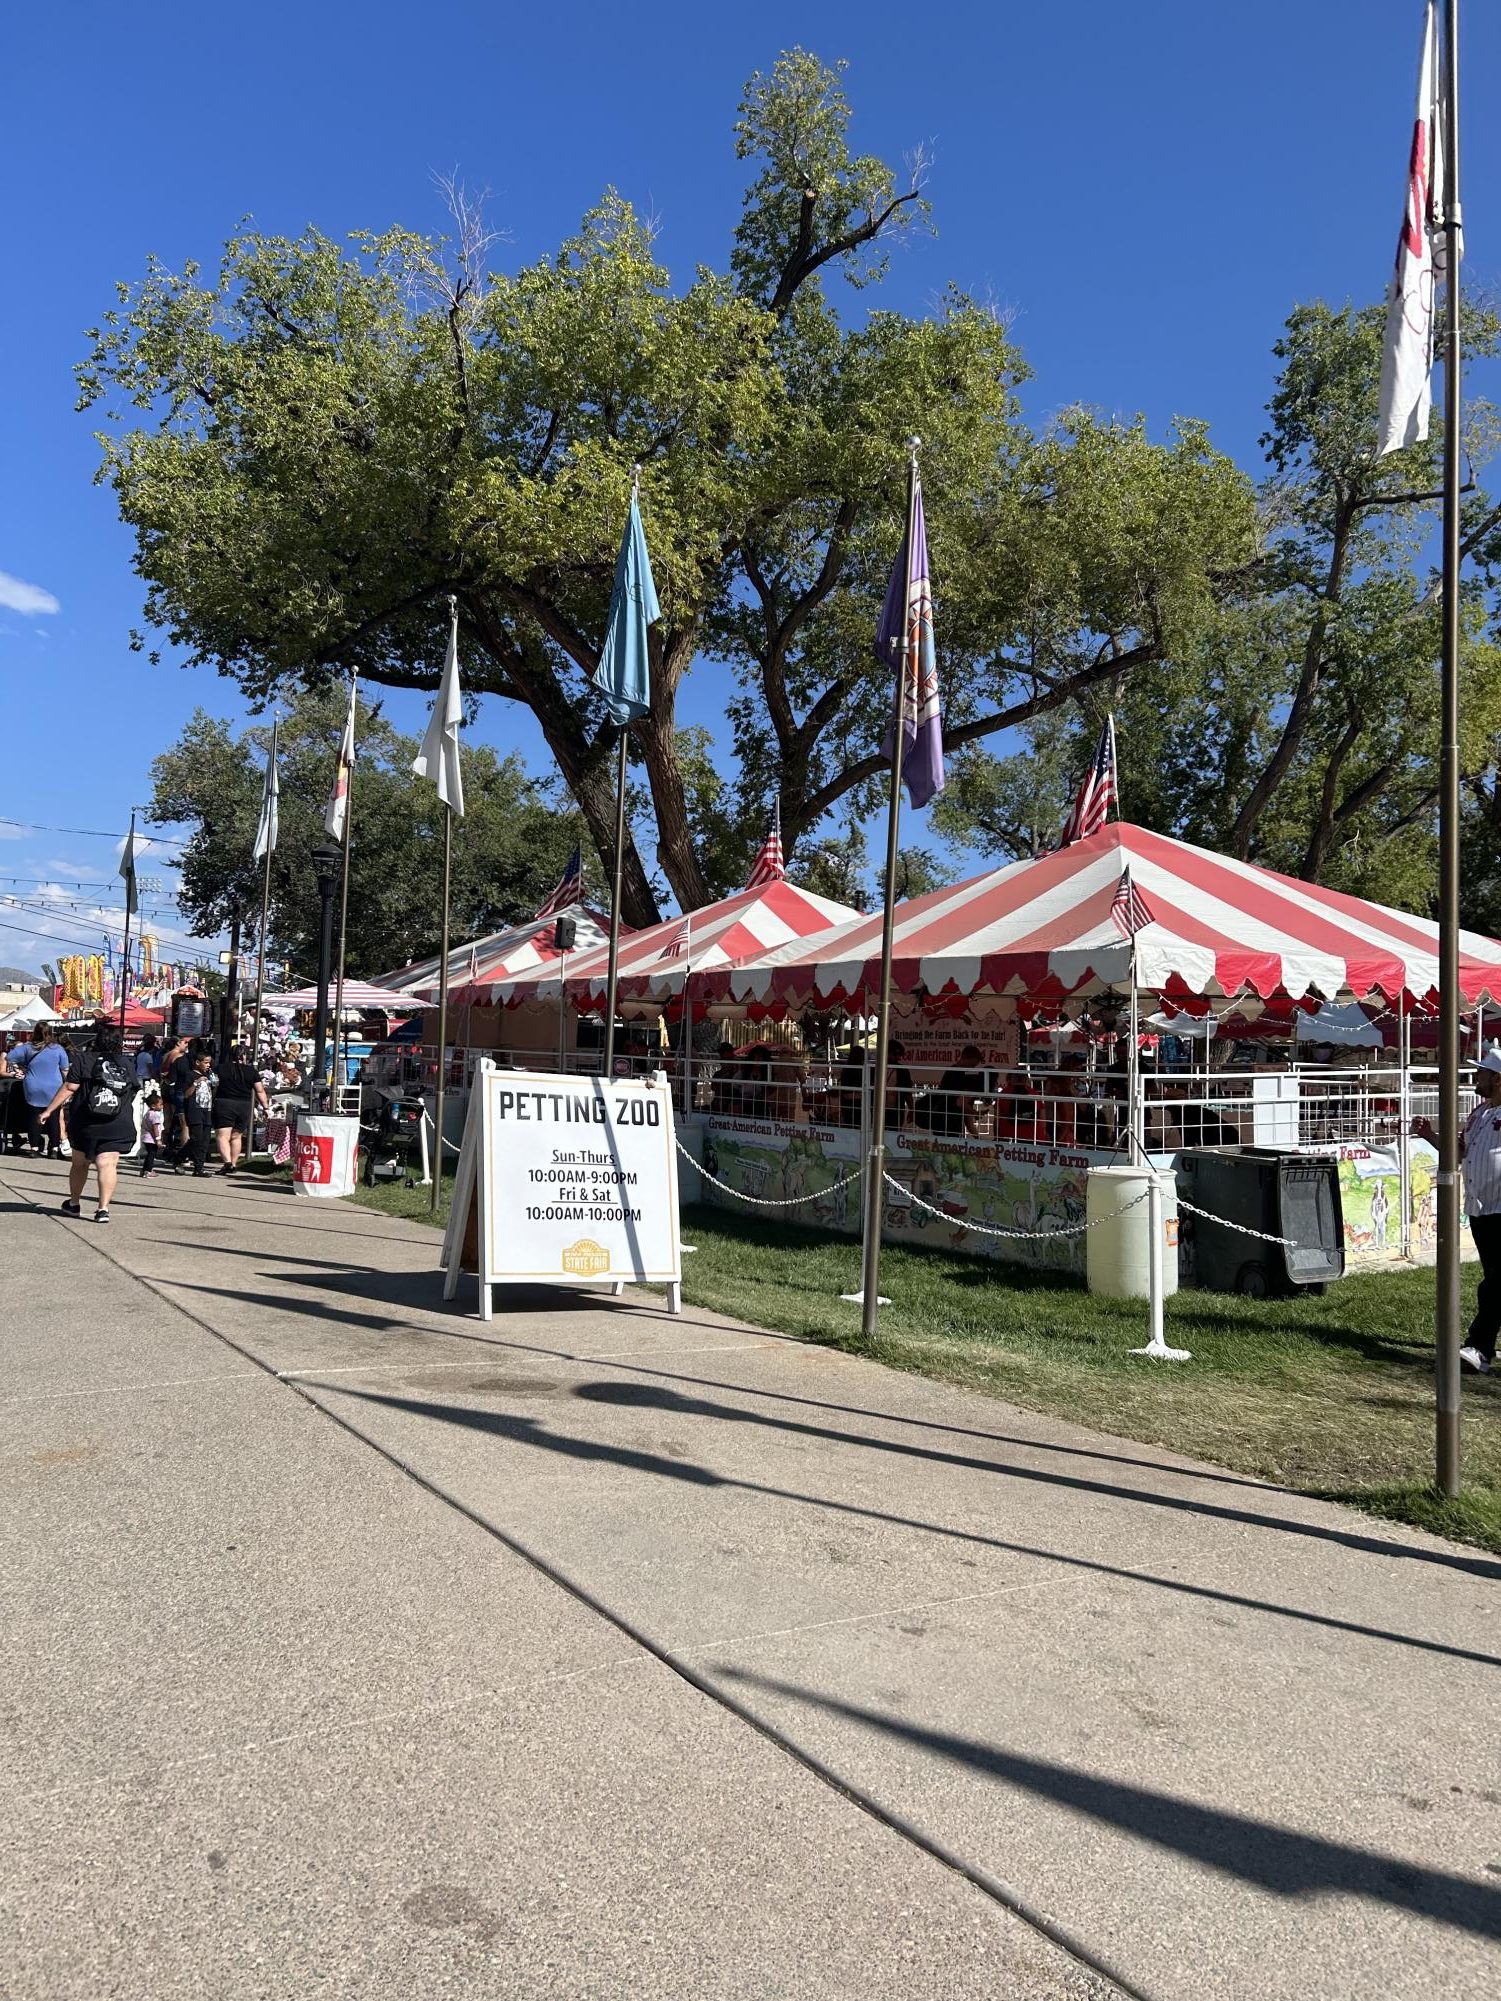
[
  {"x": 1292, "y": 716},
  {"x": 508, "y": 851},
  {"x": 318, "y": 443}
]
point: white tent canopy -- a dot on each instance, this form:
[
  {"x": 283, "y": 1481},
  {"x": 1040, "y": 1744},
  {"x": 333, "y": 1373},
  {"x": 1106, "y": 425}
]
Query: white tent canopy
[{"x": 30, "y": 1014}]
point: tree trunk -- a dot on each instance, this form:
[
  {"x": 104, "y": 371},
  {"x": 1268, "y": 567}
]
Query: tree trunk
[
  {"x": 594, "y": 789},
  {"x": 1243, "y": 831},
  {"x": 588, "y": 766},
  {"x": 656, "y": 735}
]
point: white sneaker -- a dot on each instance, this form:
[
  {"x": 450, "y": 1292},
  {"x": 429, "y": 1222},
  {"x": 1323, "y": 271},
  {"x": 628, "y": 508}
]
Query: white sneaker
[{"x": 1472, "y": 1359}]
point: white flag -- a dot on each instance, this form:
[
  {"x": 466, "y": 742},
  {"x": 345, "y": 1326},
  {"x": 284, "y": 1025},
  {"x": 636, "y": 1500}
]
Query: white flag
[
  {"x": 338, "y": 806},
  {"x": 265, "y": 833},
  {"x": 438, "y": 758},
  {"x": 1407, "y": 360},
  {"x": 128, "y": 873}
]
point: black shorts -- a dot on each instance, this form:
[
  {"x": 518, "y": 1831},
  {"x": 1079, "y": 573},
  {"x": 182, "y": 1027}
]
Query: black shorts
[
  {"x": 88, "y": 1137},
  {"x": 233, "y": 1114}
]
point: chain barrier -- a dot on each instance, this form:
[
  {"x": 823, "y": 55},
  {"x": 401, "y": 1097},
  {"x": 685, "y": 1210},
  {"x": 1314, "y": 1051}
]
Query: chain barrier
[
  {"x": 1261, "y": 1236},
  {"x": 993, "y": 1230},
  {"x": 427, "y": 1120},
  {"x": 763, "y": 1201}
]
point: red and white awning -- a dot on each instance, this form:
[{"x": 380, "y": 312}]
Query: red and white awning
[
  {"x": 475, "y": 967},
  {"x": 358, "y": 994},
  {"x": 1044, "y": 928},
  {"x": 654, "y": 962}
]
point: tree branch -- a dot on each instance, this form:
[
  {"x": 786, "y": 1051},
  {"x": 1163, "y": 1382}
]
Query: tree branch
[
  {"x": 1019, "y": 712},
  {"x": 805, "y": 260}
]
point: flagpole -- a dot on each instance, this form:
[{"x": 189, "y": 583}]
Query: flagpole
[
  {"x": 1447, "y": 1315},
  {"x": 442, "y": 1007},
  {"x": 354, "y": 685},
  {"x": 875, "y": 1163},
  {"x": 260, "y": 977},
  {"x": 613, "y": 975},
  {"x": 688, "y": 1026},
  {"x": 130, "y": 897}
]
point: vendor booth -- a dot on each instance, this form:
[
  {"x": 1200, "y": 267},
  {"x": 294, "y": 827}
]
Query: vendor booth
[
  {"x": 987, "y": 1126},
  {"x": 1035, "y": 1039}
]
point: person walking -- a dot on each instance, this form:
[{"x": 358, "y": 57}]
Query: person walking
[
  {"x": 148, "y": 1060},
  {"x": 98, "y": 1100},
  {"x": 240, "y": 1091},
  {"x": 151, "y": 1131},
  {"x": 42, "y": 1065},
  {"x": 1480, "y": 1151},
  {"x": 200, "y": 1112},
  {"x": 176, "y": 1073}
]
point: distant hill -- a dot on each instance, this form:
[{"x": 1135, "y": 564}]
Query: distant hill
[{"x": 16, "y": 976}]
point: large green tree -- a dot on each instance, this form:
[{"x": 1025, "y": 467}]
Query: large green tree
[
  {"x": 511, "y": 848},
  {"x": 1298, "y": 726},
  {"x": 320, "y": 442}
]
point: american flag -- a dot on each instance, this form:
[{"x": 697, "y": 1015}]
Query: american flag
[
  {"x": 1097, "y": 794},
  {"x": 770, "y": 864},
  {"x": 570, "y": 886},
  {"x": 1129, "y": 908},
  {"x": 680, "y": 940}
]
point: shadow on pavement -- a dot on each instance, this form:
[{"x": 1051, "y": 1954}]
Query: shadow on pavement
[
  {"x": 530, "y": 1431},
  {"x": 644, "y": 1396},
  {"x": 1257, "y": 1851}
]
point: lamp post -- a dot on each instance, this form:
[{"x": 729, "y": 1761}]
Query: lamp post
[{"x": 326, "y": 858}]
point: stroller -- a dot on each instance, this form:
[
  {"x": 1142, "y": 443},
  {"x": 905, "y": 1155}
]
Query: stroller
[{"x": 392, "y": 1138}]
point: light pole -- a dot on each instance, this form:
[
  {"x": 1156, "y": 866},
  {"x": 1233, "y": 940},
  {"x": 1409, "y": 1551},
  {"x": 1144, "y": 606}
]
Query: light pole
[{"x": 326, "y": 858}]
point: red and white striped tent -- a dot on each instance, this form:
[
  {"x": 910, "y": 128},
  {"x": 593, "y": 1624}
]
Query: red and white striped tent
[
  {"x": 1043, "y": 928},
  {"x": 504, "y": 955},
  {"x": 654, "y": 963}
]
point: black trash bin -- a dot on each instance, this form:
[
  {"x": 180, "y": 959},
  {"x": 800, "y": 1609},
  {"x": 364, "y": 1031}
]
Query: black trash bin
[{"x": 1294, "y": 1195}]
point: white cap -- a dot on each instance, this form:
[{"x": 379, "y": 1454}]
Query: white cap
[{"x": 1490, "y": 1061}]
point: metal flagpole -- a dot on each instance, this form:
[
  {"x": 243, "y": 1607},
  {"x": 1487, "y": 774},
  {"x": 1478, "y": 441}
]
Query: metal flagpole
[
  {"x": 265, "y": 919},
  {"x": 442, "y": 1010},
  {"x": 1447, "y": 1341},
  {"x": 339, "y": 1062},
  {"x": 613, "y": 976},
  {"x": 130, "y": 897},
  {"x": 260, "y": 977},
  {"x": 875, "y": 1159},
  {"x": 688, "y": 1024}
]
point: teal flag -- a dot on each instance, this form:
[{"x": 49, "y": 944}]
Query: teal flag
[{"x": 623, "y": 675}]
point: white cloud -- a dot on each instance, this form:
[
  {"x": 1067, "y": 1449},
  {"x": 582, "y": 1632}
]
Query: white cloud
[{"x": 28, "y": 599}]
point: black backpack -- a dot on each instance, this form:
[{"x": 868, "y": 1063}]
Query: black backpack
[{"x": 110, "y": 1088}]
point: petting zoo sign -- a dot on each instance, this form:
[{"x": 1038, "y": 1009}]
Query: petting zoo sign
[{"x": 565, "y": 1180}]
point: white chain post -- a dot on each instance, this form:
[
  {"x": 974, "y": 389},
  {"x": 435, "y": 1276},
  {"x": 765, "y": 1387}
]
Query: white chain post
[{"x": 1157, "y": 1347}]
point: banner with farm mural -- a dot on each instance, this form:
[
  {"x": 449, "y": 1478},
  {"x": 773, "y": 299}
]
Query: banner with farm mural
[
  {"x": 1370, "y": 1186},
  {"x": 1009, "y": 1186}
]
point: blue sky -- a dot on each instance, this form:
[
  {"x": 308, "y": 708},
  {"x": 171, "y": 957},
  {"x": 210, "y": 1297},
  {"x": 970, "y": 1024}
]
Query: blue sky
[{"x": 1147, "y": 188}]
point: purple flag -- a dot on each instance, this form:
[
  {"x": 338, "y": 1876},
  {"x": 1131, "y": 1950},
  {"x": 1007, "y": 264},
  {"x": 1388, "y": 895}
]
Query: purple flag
[{"x": 922, "y": 728}]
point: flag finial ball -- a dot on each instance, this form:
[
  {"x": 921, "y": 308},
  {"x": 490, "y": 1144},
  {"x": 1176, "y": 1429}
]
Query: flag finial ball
[{"x": 914, "y": 445}]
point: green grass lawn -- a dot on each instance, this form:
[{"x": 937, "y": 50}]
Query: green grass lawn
[{"x": 1333, "y": 1395}]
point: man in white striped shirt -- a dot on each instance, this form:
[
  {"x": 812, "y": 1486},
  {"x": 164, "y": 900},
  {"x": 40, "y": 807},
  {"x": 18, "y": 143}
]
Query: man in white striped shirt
[{"x": 1480, "y": 1150}]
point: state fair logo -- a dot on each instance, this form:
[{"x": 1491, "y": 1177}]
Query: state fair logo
[
  {"x": 314, "y": 1160},
  {"x": 586, "y": 1259}
]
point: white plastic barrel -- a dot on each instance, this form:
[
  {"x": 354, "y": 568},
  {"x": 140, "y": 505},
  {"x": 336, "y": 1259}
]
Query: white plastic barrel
[
  {"x": 1118, "y": 1245},
  {"x": 323, "y": 1154}
]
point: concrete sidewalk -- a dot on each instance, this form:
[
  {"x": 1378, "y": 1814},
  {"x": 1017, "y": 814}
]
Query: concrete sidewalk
[{"x": 1226, "y": 1741}]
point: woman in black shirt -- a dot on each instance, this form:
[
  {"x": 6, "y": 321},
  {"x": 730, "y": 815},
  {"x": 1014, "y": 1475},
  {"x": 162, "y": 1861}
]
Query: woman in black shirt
[{"x": 240, "y": 1089}]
